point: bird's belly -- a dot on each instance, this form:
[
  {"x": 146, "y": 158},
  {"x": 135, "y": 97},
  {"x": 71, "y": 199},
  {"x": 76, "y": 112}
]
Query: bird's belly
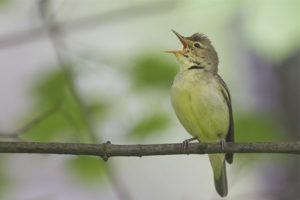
[{"x": 202, "y": 110}]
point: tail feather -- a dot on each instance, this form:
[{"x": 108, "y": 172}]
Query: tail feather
[
  {"x": 229, "y": 157},
  {"x": 219, "y": 169},
  {"x": 221, "y": 182}
]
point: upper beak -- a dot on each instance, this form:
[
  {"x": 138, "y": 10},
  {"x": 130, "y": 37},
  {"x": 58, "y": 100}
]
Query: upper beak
[{"x": 183, "y": 42}]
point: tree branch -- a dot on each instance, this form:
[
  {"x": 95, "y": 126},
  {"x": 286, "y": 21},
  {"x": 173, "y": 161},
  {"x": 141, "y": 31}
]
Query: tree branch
[{"x": 106, "y": 150}]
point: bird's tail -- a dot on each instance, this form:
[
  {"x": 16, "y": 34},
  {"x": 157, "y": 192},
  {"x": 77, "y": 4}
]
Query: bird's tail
[{"x": 217, "y": 162}]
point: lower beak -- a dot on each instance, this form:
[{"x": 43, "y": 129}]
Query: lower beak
[{"x": 183, "y": 42}]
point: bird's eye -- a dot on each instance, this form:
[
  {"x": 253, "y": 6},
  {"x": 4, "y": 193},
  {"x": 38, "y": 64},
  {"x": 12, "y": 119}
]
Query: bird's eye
[{"x": 197, "y": 45}]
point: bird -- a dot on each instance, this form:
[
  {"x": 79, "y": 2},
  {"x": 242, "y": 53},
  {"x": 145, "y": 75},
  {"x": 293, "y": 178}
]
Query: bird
[{"x": 202, "y": 101}]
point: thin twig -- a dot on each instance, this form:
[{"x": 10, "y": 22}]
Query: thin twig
[
  {"x": 32, "y": 123},
  {"x": 57, "y": 45},
  {"x": 56, "y": 37},
  {"x": 112, "y": 150},
  {"x": 132, "y": 11}
]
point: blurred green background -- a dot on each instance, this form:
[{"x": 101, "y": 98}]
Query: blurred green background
[{"x": 93, "y": 71}]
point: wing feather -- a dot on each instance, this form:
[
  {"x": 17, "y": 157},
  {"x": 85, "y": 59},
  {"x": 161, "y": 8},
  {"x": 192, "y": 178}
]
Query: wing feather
[{"x": 230, "y": 133}]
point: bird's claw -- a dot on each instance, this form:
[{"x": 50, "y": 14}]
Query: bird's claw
[
  {"x": 222, "y": 143},
  {"x": 185, "y": 143}
]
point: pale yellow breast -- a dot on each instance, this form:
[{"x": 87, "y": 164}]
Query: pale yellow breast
[{"x": 200, "y": 106}]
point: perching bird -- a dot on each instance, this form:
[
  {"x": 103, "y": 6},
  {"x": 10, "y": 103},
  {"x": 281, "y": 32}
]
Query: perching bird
[{"x": 202, "y": 102}]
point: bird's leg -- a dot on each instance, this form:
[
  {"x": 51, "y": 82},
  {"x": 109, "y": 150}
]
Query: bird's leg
[
  {"x": 222, "y": 143},
  {"x": 185, "y": 143}
]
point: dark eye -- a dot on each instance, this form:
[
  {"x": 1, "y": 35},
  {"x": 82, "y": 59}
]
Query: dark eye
[{"x": 197, "y": 45}]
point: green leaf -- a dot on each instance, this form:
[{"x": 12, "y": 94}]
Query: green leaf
[
  {"x": 3, "y": 2},
  {"x": 52, "y": 128},
  {"x": 98, "y": 109},
  {"x": 87, "y": 168},
  {"x": 49, "y": 90},
  {"x": 50, "y": 87},
  {"x": 257, "y": 127},
  {"x": 153, "y": 72},
  {"x": 67, "y": 122},
  {"x": 149, "y": 125}
]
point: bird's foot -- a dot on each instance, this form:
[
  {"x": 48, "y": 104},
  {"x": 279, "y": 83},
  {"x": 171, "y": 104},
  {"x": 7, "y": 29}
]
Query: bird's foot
[
  {"x": 185, "y": 143},
  {"x": 222, "y": 143}
]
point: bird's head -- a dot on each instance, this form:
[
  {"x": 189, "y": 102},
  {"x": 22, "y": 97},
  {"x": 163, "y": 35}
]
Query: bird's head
[{"x": 197, "y": 51}]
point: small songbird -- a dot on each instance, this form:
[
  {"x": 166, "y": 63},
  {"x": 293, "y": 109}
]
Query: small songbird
[{"x": 202, "y": 102}]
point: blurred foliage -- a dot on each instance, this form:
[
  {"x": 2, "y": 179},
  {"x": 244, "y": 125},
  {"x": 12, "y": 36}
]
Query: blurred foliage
[
  {"x": 261, "y": 27},
  {"x": 64, "y": 124},
  {"x": 2, "y": 2},
  {"x": 53, "y": 128},
  {"x": 153, "y": 71},
  {"x": 156, "y": 72},
  {"x": 87, "y": 168},
  {"x": 3, "y": 176},
  {"x": 50, "y": 88},
  {"x": 257, "y": 127},
  {"x": 149, "y": 124},
  {"x": 275, "y": 35},
  {"x": 67, "y": 122}
]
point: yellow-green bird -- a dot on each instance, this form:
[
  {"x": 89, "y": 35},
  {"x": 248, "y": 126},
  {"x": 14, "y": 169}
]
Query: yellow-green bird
[{"x": 202, "y": 101}]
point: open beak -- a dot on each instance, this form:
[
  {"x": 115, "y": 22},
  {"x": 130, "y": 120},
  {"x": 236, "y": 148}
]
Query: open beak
[{"x": 183, "y": 42}]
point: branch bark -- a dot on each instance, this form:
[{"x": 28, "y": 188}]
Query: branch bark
[{"x": 106, "y": 150}]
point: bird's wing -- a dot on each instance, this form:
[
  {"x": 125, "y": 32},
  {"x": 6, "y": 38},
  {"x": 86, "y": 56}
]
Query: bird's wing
[{"x": 230, "y": 133}]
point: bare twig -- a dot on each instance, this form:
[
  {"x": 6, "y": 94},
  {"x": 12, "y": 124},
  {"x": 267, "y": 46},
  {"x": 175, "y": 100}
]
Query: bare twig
[
  {"x": 32, "y": 123},
  {"x": 56, "y": 37},
  {"x": 57, "y": 45},
  {"x": 131, "y": 11},
  {"x": 111, "y": 150}
]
